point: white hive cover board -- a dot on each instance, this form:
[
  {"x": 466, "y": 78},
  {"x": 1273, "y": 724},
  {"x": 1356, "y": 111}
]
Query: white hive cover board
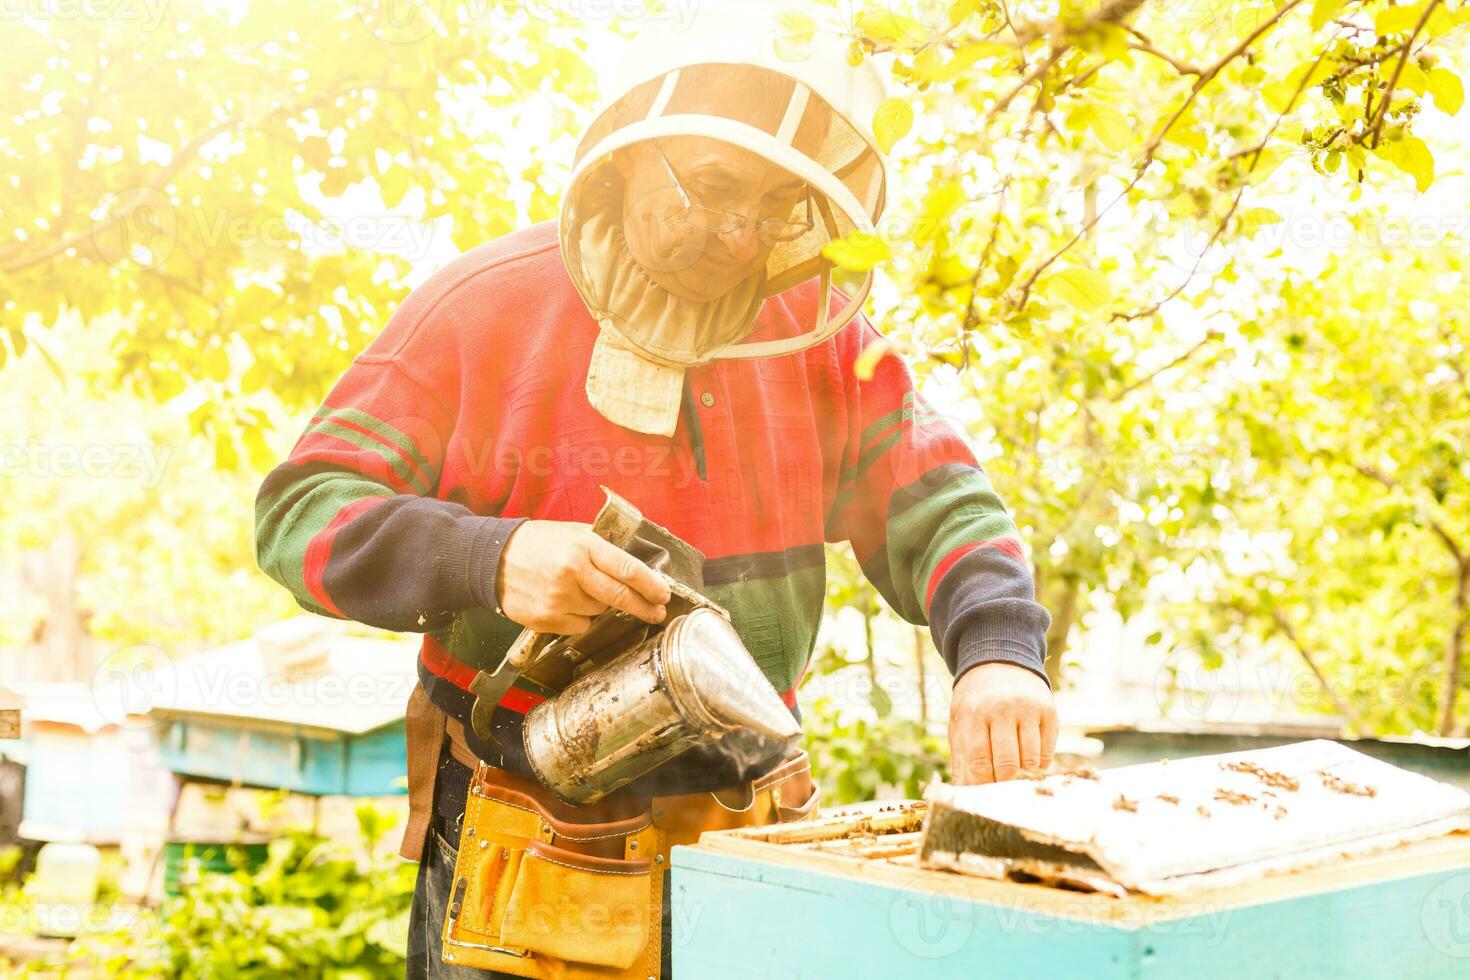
[{"x": 1168, "y": 826}]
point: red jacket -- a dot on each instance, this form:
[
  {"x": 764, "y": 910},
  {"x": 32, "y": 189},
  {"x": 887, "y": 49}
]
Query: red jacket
[{"x": 468, "y": 414}]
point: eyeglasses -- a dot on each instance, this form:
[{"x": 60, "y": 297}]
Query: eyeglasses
[{"x": 719, "y": 221}]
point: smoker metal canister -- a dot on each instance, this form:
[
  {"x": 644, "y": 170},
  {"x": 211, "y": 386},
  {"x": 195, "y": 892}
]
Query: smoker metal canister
[{"x": 691, "y": 683}]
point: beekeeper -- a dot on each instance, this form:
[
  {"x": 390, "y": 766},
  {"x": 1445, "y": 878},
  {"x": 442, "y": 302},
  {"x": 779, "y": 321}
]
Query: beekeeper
[{"x": 678, "y": 337}]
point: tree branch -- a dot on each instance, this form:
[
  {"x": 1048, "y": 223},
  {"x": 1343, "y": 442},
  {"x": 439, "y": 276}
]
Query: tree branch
[
  {"x": 1348, "y": 713},
  {"x": 1378, "y": 476},
  {"x": 1393, "y": 81},
  {"x": 1224, "y": 222},
  {"x": 1148, "y": 378},
  {"x": 1151, "y": 148},
  {"x": 1141, "y": 43}
]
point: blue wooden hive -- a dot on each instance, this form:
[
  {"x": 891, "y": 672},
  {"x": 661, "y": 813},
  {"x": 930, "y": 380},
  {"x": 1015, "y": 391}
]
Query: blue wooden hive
[
  {"x": 782, "y": 902},
  {"x": 231, "y": 715}
]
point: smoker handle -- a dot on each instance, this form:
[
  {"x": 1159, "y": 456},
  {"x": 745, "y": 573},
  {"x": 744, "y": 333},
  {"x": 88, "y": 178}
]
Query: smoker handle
[{"x": 617, "y": 522}]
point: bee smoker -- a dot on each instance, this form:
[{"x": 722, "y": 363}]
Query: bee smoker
[
  {"x": 689, "y": 684},
  {"x": 631, "y": 695}
]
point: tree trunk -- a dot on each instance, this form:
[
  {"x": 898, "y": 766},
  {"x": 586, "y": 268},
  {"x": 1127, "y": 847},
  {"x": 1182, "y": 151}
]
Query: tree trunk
[
  {"x": 59, "y": 648},
  {"x": 868, "y": 613},
  {"x": 919, "y": 667},
  {"x": 1063, "y": 608},
  {"x": 1453, "y": 654}
]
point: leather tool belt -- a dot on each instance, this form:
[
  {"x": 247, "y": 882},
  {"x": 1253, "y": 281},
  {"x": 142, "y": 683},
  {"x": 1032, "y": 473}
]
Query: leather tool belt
[{"x": 546, "y": 889}]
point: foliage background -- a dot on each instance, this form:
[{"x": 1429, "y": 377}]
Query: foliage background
[{"x": 1191, "y": 275}]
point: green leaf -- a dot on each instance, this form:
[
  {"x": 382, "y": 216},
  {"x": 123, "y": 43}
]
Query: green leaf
[
  {"x": 1247, "y": 19},
  {"x": 225, "y": 456},
  {"x": 1447, "y": 89},
  {"x": 881, "y": 701},
  {"x": 1412, "y": 77},
  {"x": 887, "y": 27},
  {"x": 393, "y": 185},
  {"x": 1111, "y": 126},
  {"x": 1412, "y": 156},
  {"x": 961, "y": 9},
  {"x": 1323, "y": 11},
  {"x": 1256, "y": 218},
  {"x": 797, "y": 22},
  {"x": 1278, "y": 95},
  {"x": 216, "y": 363},
  {"x": 1396, "y": 20},
  {"x": 1084, "y": 289},
  {"x": 859, "y": 251},
  {"x": 259, "y": 451},
  {"x": 867, "y": 361},
  {"x": 892, "y": 121},
  {"x": 798, "y": 28}
]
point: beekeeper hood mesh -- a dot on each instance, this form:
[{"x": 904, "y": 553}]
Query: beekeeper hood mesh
[{"x": 650, "y": 335}]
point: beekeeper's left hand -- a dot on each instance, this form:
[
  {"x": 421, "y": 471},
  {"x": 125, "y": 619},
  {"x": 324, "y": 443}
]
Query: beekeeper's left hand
[{"x": 1001, "y": 720}]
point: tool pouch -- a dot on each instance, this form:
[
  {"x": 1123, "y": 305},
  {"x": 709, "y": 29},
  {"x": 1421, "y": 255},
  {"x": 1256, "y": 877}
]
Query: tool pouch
[{"x": 545, "y": 889}]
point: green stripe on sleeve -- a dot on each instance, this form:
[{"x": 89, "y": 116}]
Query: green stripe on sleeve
[
  {"x": 399, "y": 466},
  {"x": 964, "y": 508},
  {"x": 286, "y": 522},
  {"x": 395, "y": 437}
]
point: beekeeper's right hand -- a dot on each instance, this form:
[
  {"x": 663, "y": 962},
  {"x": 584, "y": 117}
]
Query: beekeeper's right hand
[{"x": 554, "y": 576}]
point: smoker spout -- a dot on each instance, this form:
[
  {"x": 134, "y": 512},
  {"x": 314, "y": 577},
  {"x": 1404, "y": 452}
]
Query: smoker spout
[{"x": 714, "y": 679}]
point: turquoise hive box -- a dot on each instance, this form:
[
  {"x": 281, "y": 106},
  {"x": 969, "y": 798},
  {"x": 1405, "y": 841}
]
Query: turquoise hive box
[
  {"x": 849, "y": 902},
  {"x": 228, "y": 715}
]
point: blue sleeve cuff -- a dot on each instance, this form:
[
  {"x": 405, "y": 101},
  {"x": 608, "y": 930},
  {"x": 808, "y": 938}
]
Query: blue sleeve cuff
[
  {"x": 1006, "y": 631},
  {"x": 470, "y": 564}
]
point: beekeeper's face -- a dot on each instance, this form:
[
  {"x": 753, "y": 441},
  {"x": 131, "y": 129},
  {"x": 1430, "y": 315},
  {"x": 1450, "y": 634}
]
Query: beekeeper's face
[{"x": 690, "y": 253}]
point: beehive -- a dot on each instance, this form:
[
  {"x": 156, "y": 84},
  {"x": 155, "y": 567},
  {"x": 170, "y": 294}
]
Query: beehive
[{"x": 845, "y": 897}]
